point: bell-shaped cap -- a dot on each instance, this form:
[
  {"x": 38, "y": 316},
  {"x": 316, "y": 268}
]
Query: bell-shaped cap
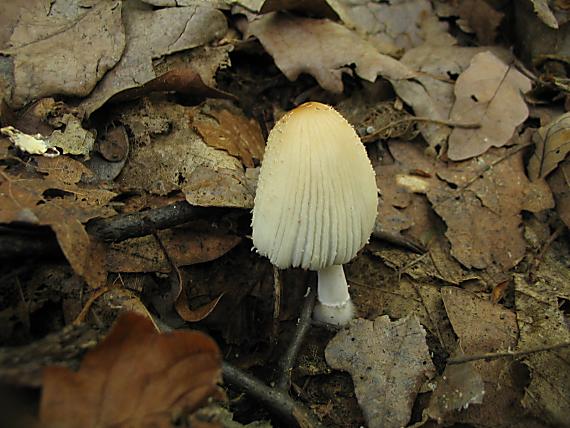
[{"x": 316, "y": 198}]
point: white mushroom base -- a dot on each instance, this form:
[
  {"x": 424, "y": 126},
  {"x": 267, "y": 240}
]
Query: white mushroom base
[{"x": 334, "y": 305}]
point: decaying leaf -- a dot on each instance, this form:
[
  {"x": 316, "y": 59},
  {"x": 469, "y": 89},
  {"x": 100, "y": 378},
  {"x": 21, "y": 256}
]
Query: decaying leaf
[
  {"x": 74, "y": 140},
  {"x": 431, "y": 94},
  {"x": 31, "y": 201},
  {"x": 151, "y": 34},
  {"x": 134, "y": 377},
  {"x": 167, "y": 155},
  {"x": 63, "y": 168},
  {"x": 185, "y": 247},
  {"x": 388, "y": 362},
  {"x": 552, "y": 146},
  {"x": 466, "y": 196},
  {"x": 327, "y": 50},
  {"x": 542, "y": 322},
  {"x": 55, "y": 55},
  {"x": 482, "y": 19},
  {"x": 489, "y": 92},
  {"x": 32, "y": 144},
  {"x": 391, "y": 27},
  {"x": 482, "y": 327},
  {"x": 459, "y": 387},
  {"x": 229, "y": 131},
  {"x": 544, "y": 13}
]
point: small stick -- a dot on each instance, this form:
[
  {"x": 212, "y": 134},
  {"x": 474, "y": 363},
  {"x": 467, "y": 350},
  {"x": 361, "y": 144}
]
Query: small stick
[
  {"x": 277, "y": 401},
  {"x": 376, "y": 133},
  {"x": 276, "y": 301},
  {"x": 496, "y": 355},
  {"x": 288, "y": 361}
]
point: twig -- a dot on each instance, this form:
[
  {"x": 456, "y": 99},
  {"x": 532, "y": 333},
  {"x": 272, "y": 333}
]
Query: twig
[
  {"x": 376, "y": 133},
  {"x": 85, "y": 310},
  {"x": 276, "y": 301},
  {"x": 496, "y": 355},
  {"x": 277, "y": 401},
  {"x": 288, "y": 360},
  {"x": 124, "y": 226}
]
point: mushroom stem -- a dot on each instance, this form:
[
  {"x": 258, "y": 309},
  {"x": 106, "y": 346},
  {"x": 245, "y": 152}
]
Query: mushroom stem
[{"x": 334, "y": 305}]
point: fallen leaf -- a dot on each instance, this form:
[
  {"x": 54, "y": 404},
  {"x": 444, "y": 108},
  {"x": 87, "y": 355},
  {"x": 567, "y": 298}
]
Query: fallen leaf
[
  {"x": 74, "y": 140},
  {"x": 53, "y": 55},
  {"x": 483, "y": 19},
  {"x": 194, "y": 315},
  {"x": 482, "y": 94},
  {"x": 234, "y": 133},
  {"x": 32, "y": 144},
  {"x": 392, "y": 27},
  {"x": 431, "y": 94},
  {"x": 478, "y": 201},
  {"x": 327, "y": 51},
  {"x": 63, "y": 168},
  {"x": 185, "y": 247},
  {"x": 542, "y": 322},
  {"x": 167, "y": 155},
  {"x": 483, "y": 327},
  {"x": 65, "y": 208},
  {"x": 388, "y": 362},
  {"x": 134, "y": 377},
  {"x": 544, "y": 13},
  {"x": 152, "y": 34},
  {"x": 552, "y": 146},
  {"x": 459, "y": 387},
  {"x": 559, "y": 183}
]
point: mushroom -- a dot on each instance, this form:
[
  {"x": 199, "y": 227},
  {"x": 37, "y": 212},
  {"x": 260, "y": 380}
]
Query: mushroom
[{"x": 316, "y": 202}]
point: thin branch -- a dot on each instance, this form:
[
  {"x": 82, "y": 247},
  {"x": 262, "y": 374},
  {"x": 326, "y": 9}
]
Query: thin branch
[
  {"x": 290, "y": 357},
  {"x": 277, "y": 401},
  {"x": 378, "y": 132},
  {"x": 125, "y": 226},
  {"x": 496, "y": 355}
]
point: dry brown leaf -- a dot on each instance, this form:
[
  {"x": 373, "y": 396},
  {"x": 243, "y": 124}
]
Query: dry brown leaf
[
  {"x": 485, "y": 327},
  {"x": 482, "y": 19},
  {"x": 388, "y": 362},
  {"x": 181, "y": 80},
  {"x": 63, "y": 168},
  {"x": 392, "y": 27},
  {"x": 152, "y": 34},
  {"x": 185, "y": 247},
  {"x": 552, "y": 147},
  {"x": 430, "y": 94},
  {"x": 134, "y": 377},
  {"x": 53, "y": 54},
  {"x": 480, "y": 205},
  {"x": 489, "y": 92},
  {"x": 543, "y": 322},
  {"x": 234, "y": 133},
  {"x": 167, "y": 155},
  {"x": 30, "y": 201},
  {"x": 323, "y": 49}
]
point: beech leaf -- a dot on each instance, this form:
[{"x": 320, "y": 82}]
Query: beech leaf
[
  {"x": 134, "y": 377},
  {"x": 490, "y": 93}
]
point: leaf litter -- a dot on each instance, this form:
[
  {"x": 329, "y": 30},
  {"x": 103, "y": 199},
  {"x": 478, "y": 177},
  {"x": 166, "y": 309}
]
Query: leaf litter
[{"x": 162, "y": 107}]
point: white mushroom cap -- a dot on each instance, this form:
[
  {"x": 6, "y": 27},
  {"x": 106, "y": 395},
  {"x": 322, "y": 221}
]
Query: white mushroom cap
[{"x": 316, "y": 199}]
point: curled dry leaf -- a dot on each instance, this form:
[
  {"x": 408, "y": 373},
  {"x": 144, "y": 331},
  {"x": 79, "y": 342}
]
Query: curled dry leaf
[
  {"x": 54, "y": 55},
  {"x": 134, "y": 377},
  {"x": 559, "y": 183},
  {"x": 323, "y": 49},
  {"x": 152, "y": 34},
  {"x": 234, "y": 133},
  {"x": 552, "y": 146},
  {"x": 185, "y": 247},
  {"x": 482, "y": 18},
  {"x": 388, "y": 362},
  {"x": 489, "y": 92}
]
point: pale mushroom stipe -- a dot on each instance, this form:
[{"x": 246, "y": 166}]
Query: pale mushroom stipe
[{"x": 316, "y": 202}]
